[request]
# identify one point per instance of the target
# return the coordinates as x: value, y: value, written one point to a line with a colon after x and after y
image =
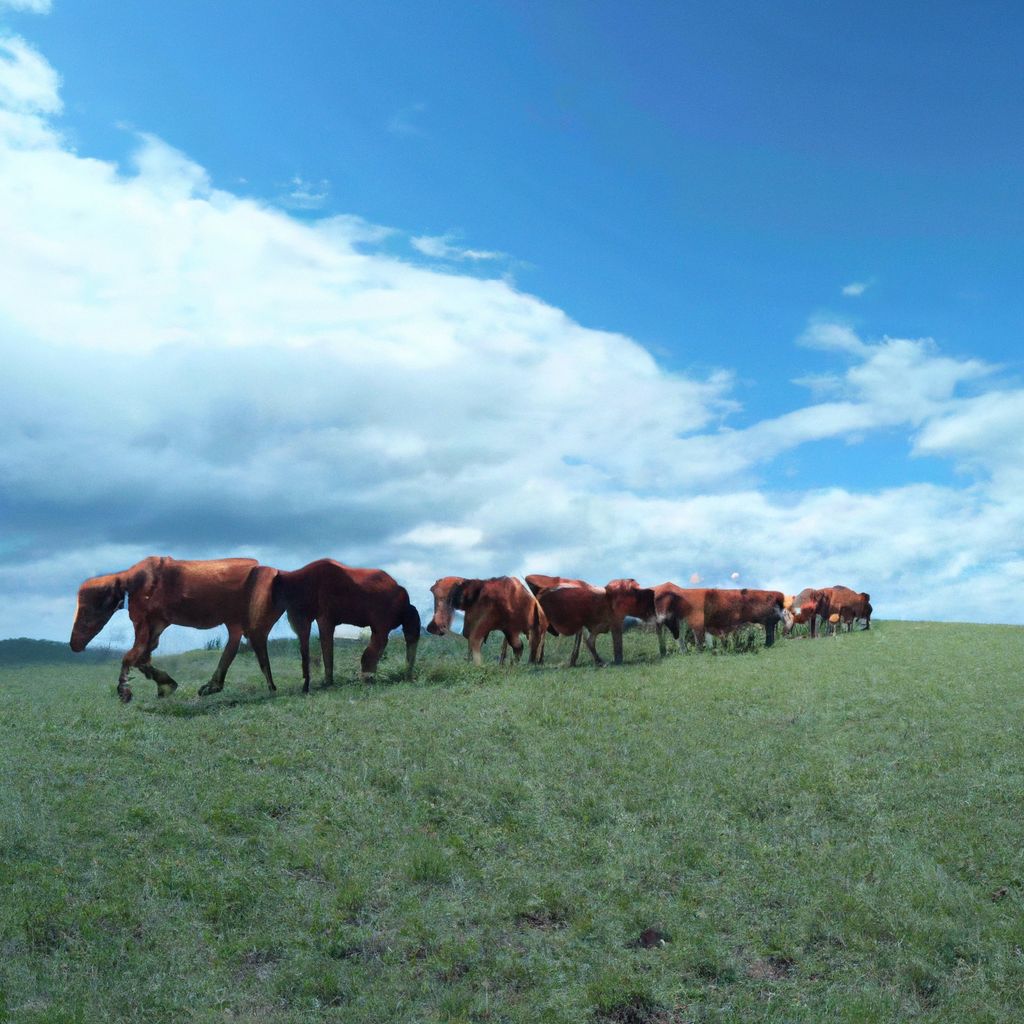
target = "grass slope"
x: 827, y: 830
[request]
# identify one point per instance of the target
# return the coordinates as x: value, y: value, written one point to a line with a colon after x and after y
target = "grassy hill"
x: 823, y: 831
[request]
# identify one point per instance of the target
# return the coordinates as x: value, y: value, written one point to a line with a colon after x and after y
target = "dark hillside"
x: 50, y: 652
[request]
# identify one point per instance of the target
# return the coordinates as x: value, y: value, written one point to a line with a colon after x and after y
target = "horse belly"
x: 206, y: 611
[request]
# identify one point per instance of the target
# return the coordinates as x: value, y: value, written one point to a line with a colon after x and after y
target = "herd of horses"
x: 249, y: 598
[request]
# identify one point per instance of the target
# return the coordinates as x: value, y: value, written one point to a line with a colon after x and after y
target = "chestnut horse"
x: 329, y: 593
x: 679, y: 607
x: 501, y: 603
x: 161, y: 592
x: 571, y: 608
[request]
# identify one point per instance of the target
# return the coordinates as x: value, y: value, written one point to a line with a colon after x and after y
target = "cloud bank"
x: 199, y: 374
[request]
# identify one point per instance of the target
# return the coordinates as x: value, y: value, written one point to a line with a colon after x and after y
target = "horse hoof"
x: 166, y: 690
x: 124, y: 695
x: 207, y: 688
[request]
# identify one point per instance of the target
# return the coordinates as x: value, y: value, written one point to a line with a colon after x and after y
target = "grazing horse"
x: 808, y: 606
x: 573, y: 608
x: 501, y: 603
x: 678, y: 608
x: 329, y: 593
x: 161, y: 592
x: 726, y: 610
x: 538, y: 582
x: 849, y: 605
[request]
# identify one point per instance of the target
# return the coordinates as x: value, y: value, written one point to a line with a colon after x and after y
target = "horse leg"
x: 411, y: 632
x: 537, y: 638
x: 301, y: 627
x: 138, y: 653
x: 375, y: 648
x: 592, y: 647
x: 504, y: 650
x: 325, y: 627
x: 258, y: 641
x: 165, y: 685
x: 575, y: 649
x: 216, y: 683
x: 475, y: 643
x: 678, y: 634
x: 512, y: 640
x: 617, y: 644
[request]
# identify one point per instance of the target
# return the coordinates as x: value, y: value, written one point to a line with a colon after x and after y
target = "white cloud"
x: 192, y: 372
x: 832, y: 336
x: 306, y: 195
x: 32, y: 6
x: 28, y: 84
x: 440, y: 247
x: 856, y: 288
x: 434, y: 535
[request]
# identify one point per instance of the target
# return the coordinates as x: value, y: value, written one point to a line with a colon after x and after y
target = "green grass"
x: 826, y: 831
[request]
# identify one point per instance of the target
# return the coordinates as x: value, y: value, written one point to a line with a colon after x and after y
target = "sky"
x: 729, y: 294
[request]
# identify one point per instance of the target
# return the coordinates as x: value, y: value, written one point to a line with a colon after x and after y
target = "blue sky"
x: 679, y: 204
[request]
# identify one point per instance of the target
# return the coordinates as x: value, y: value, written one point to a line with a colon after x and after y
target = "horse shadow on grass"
x: 193, y: 707
x: 182, y: 706
x: 445, y: 667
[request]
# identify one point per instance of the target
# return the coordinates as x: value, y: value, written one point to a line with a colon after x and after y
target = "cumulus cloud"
x: 192, y: 372
x: 856, y: 288
x: 28, y: 84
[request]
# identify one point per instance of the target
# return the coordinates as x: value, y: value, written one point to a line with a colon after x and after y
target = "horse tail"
x: 538, y: 633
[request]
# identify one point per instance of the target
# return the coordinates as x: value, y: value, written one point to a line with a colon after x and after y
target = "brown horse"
x: 329, y: 593
x: 807, y: 606
x: 161, y: 592
x: 679, y: 607
x: 501, y: 603
x: 572, y: 608
x: 725, y: 611
x: 538, y: 582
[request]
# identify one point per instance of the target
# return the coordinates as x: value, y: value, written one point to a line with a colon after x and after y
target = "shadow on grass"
x: 193, y: 707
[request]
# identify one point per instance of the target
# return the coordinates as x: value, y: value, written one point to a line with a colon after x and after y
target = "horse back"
x: 341, y: 593
x: 203, y: 594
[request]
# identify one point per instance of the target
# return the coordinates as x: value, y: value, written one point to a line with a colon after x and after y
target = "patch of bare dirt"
x: 771, y: 968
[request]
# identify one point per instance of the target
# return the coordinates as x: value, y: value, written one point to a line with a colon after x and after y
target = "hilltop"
x: 828, y: 830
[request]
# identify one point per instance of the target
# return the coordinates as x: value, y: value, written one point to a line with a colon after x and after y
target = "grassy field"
x: 823, y: 831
